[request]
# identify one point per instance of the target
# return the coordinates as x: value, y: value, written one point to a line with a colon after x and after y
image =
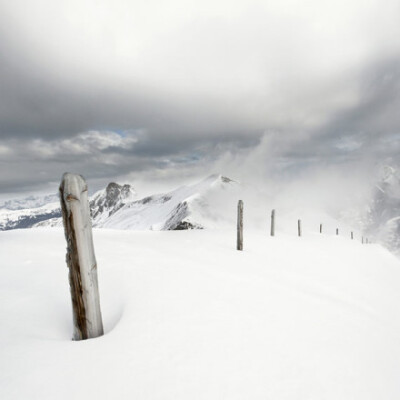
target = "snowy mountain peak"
x: 111, y: 199
x: 115, y: 192
x: 188, y: 207
x: 225, y: 179
x: 218, y: 179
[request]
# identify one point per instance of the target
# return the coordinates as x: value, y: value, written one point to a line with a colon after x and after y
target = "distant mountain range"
x: 119, y: 207
x: 198, y: 206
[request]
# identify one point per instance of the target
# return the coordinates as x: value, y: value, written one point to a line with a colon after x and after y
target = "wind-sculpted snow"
x: 186, y: 316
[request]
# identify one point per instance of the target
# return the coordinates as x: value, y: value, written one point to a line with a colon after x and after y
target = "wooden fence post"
x: 80, y: 258
x: 337, y: 231
x: 320, y: 228
x: 239, y: 245
x: 273, y: 223
x: 299, y: 227
x: 352, y: 236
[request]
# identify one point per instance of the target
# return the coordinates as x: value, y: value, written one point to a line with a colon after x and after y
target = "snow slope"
x: 117, y: 206
x: 28, y: 217
x: 188, y: 317
x: 195, y: 206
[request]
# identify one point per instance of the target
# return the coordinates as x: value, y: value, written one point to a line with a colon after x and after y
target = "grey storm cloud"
x: 110, y: 87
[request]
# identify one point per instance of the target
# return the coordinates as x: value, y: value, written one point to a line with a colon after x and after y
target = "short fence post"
x: 352, y: 236
x: 80, y: 258
x: 273, y: 223
x: 299, y: 227
x: 337, y: 231
x: 320, y: 228
x: 239, y: 245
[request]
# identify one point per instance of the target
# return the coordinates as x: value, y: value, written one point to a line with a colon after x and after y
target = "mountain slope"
x: 29, y: 217
x: 188, y: 207
x: 102, y: 204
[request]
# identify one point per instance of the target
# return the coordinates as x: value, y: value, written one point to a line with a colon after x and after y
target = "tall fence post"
x: 239, y: 245
x: 273, y: 223
x: 299, y: 227
x: 320, y: 228
x: 80, y: 258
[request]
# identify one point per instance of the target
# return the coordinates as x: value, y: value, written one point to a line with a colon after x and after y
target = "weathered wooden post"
x: 352, y: 236
x: 337, y: 231
x: 320, y: 228
x: 239, y: 245
x: 80, y: 258
x: 273, y: 223
x: 299, y: 227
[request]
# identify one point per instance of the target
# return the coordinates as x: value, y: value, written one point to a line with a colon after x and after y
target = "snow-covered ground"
x: 189, y: 317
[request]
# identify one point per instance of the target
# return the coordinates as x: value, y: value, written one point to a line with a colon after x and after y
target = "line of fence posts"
x: 239, y: 244
x: 239, y: 241
x: 80, y: 258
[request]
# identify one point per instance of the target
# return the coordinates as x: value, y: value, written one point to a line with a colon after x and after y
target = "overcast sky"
x: 174, y: 89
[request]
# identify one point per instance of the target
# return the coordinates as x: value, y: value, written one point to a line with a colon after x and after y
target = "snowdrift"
x: 188, y: 317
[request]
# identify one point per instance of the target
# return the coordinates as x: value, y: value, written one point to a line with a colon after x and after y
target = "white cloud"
x: 5, y: 150
x: 86, y: 143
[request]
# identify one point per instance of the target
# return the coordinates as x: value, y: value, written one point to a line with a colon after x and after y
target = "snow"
x: 202, y: 204
x: 9, y: 219
x: 187, y: 316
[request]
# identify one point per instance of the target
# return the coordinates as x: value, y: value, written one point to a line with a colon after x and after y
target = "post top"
x: 72, y: 186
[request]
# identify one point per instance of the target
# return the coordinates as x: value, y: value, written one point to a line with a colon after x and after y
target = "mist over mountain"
x: 29, y: 202
x: 383, y: 213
